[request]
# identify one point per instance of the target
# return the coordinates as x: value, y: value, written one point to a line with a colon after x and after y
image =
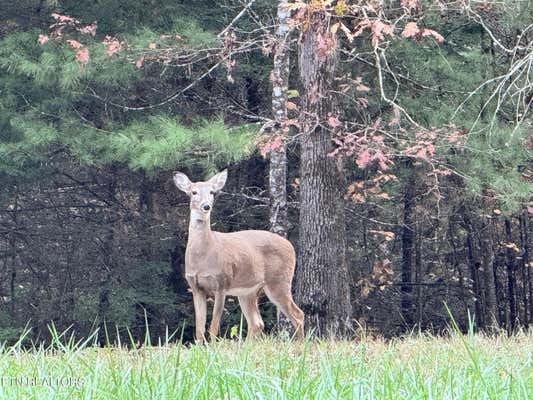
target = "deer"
x: 241, y: 264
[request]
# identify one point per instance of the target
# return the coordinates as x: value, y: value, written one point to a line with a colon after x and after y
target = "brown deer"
x: 235, y: 264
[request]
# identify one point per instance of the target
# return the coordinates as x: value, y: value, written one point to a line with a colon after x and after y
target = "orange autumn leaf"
x: 74, y: 44
x: 82, y: 56
x: 430, y: 32
x: 410, y: 30
x: 43, y: 39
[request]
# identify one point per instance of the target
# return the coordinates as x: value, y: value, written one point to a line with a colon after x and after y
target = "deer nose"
x: 206, y: 207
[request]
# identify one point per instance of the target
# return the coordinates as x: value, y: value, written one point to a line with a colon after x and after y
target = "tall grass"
x: 415, y: 367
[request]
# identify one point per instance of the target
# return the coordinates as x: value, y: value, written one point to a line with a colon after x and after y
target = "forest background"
x: 425, y: 108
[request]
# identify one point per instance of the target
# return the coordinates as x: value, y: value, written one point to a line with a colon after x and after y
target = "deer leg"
x: 214, y: 327
x: 200, y: 314
x: 251, y: 312
x: 281, y: 296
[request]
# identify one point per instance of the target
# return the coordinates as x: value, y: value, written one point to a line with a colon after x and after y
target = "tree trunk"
x: 13, y: 251
x: 322, y: 278
x: 408, y: 236
x: 278, y: 157
x: 418, y: 280
x: 503, y: 312
x: 511, y: 280
x: 526, y: 271
x: 487, y: 246
x: 457, y: 267
x: 474, y: 269
x: 109, y: 261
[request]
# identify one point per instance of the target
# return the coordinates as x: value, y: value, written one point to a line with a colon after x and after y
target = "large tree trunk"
x: 322, y: 278
x: 278, y: 157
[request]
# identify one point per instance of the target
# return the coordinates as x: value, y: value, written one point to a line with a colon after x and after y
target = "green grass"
x: 416, y: 367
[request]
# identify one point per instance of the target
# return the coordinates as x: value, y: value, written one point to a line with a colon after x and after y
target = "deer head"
x: 202, y: 194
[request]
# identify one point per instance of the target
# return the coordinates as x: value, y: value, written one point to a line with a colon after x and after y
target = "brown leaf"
x: 291, y: 106
x: 333, y: 121
x: 43, y: 39
x: 363, y: 158
x: 410, y: 30
x: 358, y: 198
x: 82, y: 56
x: 74, y: 44
x: 430, y: 32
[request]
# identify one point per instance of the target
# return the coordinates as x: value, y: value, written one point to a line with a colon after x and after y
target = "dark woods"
x: 93, y: 231
x: 108, y: 245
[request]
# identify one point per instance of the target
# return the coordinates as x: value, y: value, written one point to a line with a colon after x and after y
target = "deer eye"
x: 211, y: 192
x: 194, y: 192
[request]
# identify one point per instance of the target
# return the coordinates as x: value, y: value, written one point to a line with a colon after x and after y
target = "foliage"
x: 92, y: 127
x: 442, y: 86
x: 161, y: 142
x: 156, y: 141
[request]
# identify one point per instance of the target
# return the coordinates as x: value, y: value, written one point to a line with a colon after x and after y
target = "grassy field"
x: 416, y: 367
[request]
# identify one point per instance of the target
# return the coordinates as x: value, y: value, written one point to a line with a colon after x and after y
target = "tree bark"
x: 526, y: 271
x: 278, y: 157
x: 487, y: 245
x: 457, y: 267
x: 13, y: 248
x: 322, y: 278
x: 474, y: 269
x: 511, y: 280
x: 109, y: 260
x: 418, y: 280
x: 408, y: 236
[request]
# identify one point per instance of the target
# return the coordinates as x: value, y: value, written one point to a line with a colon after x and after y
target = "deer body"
x: 237, y: 264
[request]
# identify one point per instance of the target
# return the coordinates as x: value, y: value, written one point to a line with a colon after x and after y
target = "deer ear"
x: 182, y: 182
x: 219, y: 180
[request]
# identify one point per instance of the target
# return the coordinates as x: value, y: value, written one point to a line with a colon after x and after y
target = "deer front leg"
x: 218, y: 308
x: 200, y: 314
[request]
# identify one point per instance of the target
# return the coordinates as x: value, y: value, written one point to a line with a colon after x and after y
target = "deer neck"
x: 200, y: 233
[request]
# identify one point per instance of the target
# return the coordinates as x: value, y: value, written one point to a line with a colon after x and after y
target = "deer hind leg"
x: 218, y: 307
x: 281, y: 296
x: 200, y: 314
x: 250, y: 309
